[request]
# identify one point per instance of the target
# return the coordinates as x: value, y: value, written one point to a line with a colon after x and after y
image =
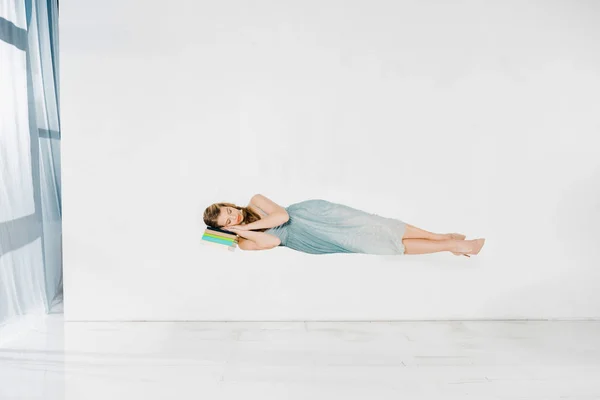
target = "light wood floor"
x: 303, y: 360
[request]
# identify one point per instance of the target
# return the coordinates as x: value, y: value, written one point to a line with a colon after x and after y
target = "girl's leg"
x: 425, y: 246
x: 412, y: 232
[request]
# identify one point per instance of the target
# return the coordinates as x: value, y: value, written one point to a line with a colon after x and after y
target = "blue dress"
x: 322, y: 227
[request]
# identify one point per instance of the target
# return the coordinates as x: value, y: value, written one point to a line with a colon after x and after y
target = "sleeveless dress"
x: 322, y: 227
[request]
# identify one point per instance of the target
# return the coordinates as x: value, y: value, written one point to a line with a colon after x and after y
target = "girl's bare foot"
x: 480, y: 243
x: 469, y: 247
x: 455, y: 236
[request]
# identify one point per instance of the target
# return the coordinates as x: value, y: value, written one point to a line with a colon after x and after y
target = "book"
x: 219, y: 237
x: 219, y: 245
x: 220, y: 232
x: 225, y: 241
x: 214, y: 228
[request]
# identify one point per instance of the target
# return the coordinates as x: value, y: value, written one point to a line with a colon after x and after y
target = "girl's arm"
x: 262, y: 239
x: 270, y: 221
x: 276, y: 214
x: 247, y: 244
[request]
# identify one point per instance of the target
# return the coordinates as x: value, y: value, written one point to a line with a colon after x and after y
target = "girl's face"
x: 230, y: 216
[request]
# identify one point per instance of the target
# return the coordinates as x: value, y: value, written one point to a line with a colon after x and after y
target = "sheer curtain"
x: 30, y: 202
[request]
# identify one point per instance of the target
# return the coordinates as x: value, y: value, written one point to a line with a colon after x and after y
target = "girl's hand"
x: 236, y: 228
x: 240, y: 227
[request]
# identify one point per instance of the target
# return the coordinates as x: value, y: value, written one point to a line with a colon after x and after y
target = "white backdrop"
x: 478, y: 117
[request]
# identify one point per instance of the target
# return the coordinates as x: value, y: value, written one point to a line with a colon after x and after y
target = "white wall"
x: 480, y: 118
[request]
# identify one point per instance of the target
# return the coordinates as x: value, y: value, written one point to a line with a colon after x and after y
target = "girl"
x: 322, y: 227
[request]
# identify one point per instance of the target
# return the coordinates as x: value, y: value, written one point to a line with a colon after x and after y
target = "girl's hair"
x: 211, y: 214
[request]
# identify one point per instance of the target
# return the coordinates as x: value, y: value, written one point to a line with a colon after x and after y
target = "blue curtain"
x: 30, y: 201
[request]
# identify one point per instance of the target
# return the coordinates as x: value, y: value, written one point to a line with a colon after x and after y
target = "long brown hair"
x: 212, y: 212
